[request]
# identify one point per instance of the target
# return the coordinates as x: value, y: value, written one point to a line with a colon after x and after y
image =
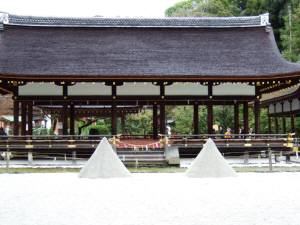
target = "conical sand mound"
x: 104, y: 163
x: 210, y: 163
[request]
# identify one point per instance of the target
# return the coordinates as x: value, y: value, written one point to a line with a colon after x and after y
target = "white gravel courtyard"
x: 65, y: 199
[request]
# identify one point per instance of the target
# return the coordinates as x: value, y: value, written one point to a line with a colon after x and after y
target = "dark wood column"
x: 114, y: 111
x: 162, y: 111
x: 269, y: 124
x: 65, y: 118
x: 114, y: 118
x: 256, y: 109
x: 210, y: 116
x: 30, y: 118
x: 154, y: 121
x: 123, y: 123
x: 23, y: 118
x: 276, y: 125
x: 292, y: 123
x: 16, y: 118
x: 196, y: 118
x: 246, y: 117
x: 283, y: 125
x: 236, y: 118
x: 72, y: 119
x: 162, y: 118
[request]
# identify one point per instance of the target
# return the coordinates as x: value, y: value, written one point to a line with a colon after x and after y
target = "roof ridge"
x: 214, y: 22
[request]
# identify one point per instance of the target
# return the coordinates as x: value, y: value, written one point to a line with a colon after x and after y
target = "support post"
x: 72, y: 119
x: 269, y: 124
x: 16, y: 118
x: 236, y: 118
x: 65, y: 119
x: 246, y: 117
x: 209, y: 117
x: 196, y: 118
x: 257, y: 116
x: 292, y: 123
x: 283, y: 125
x: 30, y: 117
x: 24, y: 118
x: 154, y: 121
x: 113, y: 118
x: 123, y: 123
x: 114, y: 110
x: 276, y: 125
x: 162, y: 119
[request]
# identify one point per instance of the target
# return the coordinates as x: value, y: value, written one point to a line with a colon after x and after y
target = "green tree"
x: 203, y: 8
x: 290, y: 34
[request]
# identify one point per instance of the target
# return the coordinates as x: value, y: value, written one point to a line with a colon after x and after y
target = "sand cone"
x: 210, y: 163
x: 104, y: 163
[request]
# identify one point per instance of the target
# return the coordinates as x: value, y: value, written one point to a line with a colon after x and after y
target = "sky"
x: 87, y: 8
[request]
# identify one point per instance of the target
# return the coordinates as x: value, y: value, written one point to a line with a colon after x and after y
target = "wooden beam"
x: 210, y: 117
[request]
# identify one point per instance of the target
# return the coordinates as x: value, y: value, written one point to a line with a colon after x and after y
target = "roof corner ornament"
x: 264, y: 19
x: 3, y: 19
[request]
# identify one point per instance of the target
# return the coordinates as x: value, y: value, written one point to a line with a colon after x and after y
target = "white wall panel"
x: 271, y: 108
x: 40, y: 89
x: 286, y: 106
x: 295, y: 104
x: 192, y: 89
x: 138, y: 88
x: 278, y: 107
x: 234, y: 89
x: 88, y: 88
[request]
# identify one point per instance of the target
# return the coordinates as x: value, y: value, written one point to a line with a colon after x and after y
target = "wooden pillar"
x: 269, y: 124
x: 256, y: 109
x: 123, y: 123
x: 72, y: 119
x: 113, y: 118
x: 154, y: 121
x: 24, y: 118
x: 210, y: 116
x: 196, y: 118
x: 283, y: 125
x: 162, y: 118
x: 236, y: 118
x: 16, y: 118
x: 246, y: 117
x: 30, y: 118
x: 292, y: 123
x: 162, y: 111
x: 114, y: 110
x: 276, y: 125
x: 65, y: 118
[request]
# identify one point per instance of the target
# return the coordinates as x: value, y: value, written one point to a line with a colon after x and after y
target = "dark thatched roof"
x: 37, y: 47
